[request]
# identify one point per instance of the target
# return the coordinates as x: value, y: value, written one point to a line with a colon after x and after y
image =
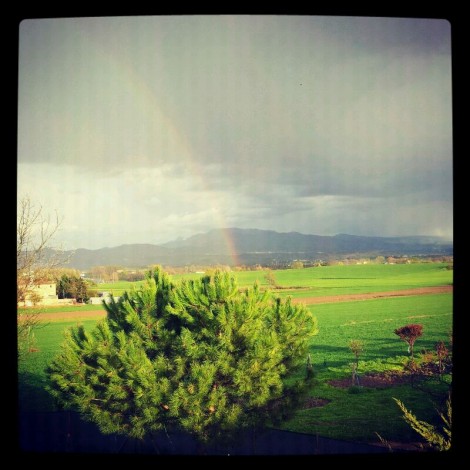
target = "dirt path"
x: 374, y: 295
x: 91, y: 314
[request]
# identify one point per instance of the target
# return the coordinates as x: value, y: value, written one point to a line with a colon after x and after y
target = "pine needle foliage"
x: 200, y: 356
x: 436, y: 439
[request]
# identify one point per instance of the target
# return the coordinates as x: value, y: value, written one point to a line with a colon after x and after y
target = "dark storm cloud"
x: 268, y: 120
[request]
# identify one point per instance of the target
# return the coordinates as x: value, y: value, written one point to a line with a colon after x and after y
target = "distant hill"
x: 251, y: 246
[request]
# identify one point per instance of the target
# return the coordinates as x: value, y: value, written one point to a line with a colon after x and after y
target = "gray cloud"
x: 296, y: 123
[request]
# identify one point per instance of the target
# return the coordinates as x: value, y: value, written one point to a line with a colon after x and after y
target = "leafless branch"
x: 34, y: 255
x: 35, y: 260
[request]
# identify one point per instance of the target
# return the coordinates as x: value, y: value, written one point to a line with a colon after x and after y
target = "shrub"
x: 409, y: 334
x: 198, y: 356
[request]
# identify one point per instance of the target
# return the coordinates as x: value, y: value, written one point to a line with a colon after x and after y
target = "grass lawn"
x: 373, y: 321
x: 359, y: 416
x: 31, y: 370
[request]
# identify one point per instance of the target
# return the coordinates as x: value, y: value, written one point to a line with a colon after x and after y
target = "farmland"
x: 330, y: 280
x: 346, y: 413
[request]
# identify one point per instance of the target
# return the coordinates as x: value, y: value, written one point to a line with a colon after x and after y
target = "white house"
x: 44, y: 294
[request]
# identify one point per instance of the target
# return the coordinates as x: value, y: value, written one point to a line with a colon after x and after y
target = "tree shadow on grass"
x: 383, y: 348
x: 32, y: 393
x: 329, y: 356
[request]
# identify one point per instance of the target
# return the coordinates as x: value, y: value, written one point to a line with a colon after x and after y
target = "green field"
x: 358, y: 417
x: 351, y: 416
x: 63, y: 308
x: 331, y: 280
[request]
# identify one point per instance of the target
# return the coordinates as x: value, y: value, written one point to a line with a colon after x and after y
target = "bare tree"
x: 357, y: 347
x: 271, y: 279
x: 34, y: 258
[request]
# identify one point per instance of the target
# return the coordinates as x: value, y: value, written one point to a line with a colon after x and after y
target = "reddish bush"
x: 409, y: 334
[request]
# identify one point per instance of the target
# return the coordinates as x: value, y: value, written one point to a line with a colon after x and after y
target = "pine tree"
x: 438, y: 439
x: 200, y: 356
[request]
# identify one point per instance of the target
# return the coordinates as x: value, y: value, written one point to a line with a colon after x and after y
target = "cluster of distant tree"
x: 73, y: 287
x: 112, y: 273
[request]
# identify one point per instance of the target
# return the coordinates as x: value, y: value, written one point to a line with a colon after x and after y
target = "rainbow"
x: 148, y: 100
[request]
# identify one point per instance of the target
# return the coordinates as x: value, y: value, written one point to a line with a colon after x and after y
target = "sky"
x: 146, y: 129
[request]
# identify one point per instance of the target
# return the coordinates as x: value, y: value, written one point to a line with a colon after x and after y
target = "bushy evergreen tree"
x: 72, y: 287
x: 199, y: 356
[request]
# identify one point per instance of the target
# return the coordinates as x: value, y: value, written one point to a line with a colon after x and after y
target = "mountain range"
x: 234, y: 246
